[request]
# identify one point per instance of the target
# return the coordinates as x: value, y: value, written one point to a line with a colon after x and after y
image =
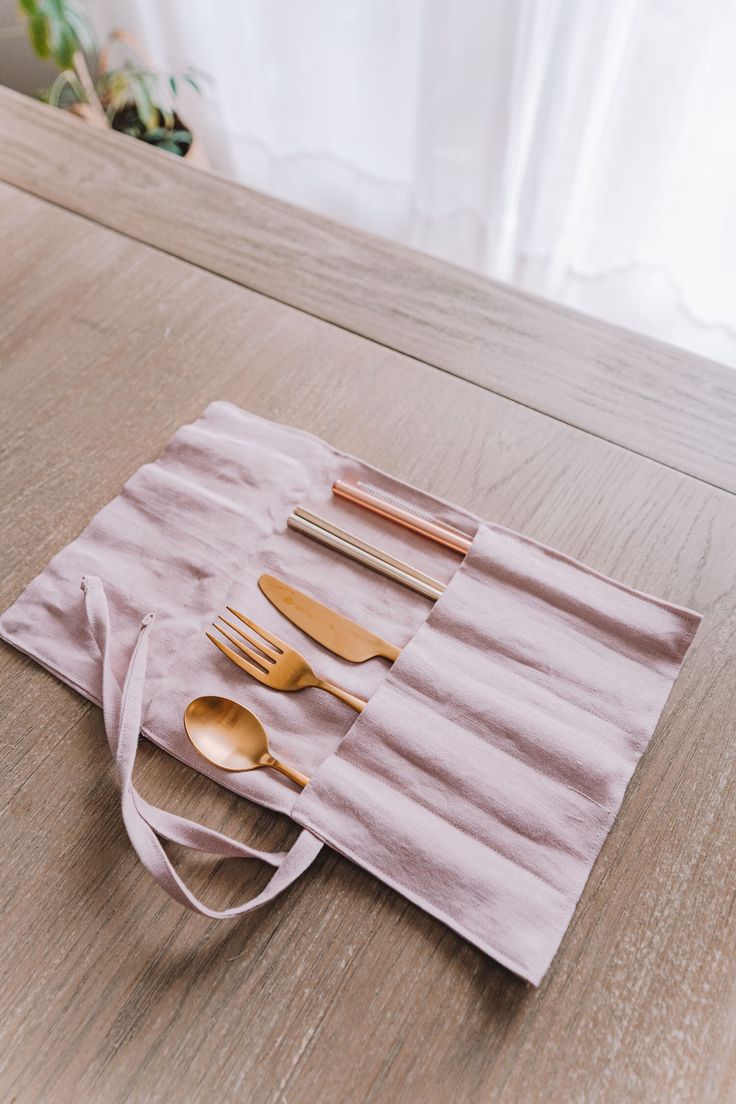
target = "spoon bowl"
x: 232, y: 738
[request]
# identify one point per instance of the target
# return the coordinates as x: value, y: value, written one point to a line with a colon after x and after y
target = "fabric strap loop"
x: 144, y: 823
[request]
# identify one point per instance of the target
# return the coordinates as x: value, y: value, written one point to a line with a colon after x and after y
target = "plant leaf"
x: 65, y: 48
x: 82, y: 31
x: 39, y: 34
x: 56, y: 90
x: 143, y: 103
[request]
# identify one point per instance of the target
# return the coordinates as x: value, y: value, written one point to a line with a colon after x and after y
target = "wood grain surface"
x: 654, y: 399
x: 341, y: 992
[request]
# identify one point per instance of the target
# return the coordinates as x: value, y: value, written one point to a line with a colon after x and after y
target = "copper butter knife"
x: 329, y: 628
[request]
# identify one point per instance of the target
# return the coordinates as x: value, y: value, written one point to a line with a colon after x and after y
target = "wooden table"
x: 134, y: 291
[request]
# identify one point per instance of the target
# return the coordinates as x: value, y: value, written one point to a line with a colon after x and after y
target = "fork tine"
x: 253, y: 656
x: 279, y: 644
x: 268, y: 651
x: 244, y: 665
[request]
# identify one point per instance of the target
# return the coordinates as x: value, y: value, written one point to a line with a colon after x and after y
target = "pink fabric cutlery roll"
x: 492, y: 758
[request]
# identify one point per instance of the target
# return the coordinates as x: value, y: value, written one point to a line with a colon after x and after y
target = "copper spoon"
x: 231, y: 737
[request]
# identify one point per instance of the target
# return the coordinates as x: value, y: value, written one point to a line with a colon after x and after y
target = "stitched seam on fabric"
x: 503, y: 957
x: 580, y: 623
x: 634, y: 735
x: 641, y: 737
x: 458, y: 827
x: 660, y: 603
x: 407, y: 691
x: 490, y: 812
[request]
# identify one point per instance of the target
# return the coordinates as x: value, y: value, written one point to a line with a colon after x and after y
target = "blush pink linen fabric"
x: 490, y: 764
x: 493, y: 756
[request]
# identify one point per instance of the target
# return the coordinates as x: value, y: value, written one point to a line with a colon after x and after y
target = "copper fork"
x: 273, y: 662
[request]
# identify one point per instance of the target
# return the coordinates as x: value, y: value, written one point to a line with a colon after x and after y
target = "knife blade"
x: 328, y: 627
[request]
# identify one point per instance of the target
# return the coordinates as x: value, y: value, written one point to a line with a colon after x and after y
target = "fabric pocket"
x: 485, y: 772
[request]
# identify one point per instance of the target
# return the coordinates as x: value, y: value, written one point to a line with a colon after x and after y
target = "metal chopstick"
x: 326, y: 533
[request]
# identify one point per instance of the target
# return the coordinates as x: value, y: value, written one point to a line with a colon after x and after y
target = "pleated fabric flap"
x: 488, y: 767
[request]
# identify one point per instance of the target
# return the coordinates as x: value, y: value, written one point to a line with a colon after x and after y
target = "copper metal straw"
x: 394, y: 510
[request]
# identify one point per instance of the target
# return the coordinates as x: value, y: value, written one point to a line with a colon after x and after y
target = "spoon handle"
x: 294, y: 775
x: 356, y: 703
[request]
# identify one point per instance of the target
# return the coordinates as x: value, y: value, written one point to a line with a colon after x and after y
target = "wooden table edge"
x: 661, y: 402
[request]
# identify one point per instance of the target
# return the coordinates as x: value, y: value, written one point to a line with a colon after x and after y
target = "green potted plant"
x: 128, y: 96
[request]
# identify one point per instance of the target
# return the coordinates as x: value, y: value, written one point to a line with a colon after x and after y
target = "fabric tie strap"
x: 144, y: 822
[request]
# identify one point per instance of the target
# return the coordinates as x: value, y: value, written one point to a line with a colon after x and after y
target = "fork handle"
x: 356, y: 703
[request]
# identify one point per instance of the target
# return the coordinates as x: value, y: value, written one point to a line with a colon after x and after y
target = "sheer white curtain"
x: 585, y: 149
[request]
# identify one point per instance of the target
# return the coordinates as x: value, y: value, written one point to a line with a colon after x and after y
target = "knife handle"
x: 388, y: 651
